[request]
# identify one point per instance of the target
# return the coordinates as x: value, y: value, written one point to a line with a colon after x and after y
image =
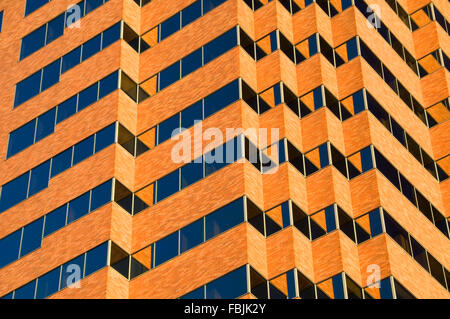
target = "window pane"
x: 72, y: 272
x: 101, y: 195
x: 191, y: 13
x: 167, y: 128
x: 105, y: 137
x: 61, y: 162
x: 33, y: 5
x: 55, y: 220
x: 191, y: 173
x: 166, y: 248
x: 192, y: 114
x: 71, y: 59
x: 198, y: 293
x: 170, y: 26
x: 48, y: 284
x: 9, y: 246
x: 111, y: 35
x: 21, y: 138
x: 229, y: 286
x: 109, y: 84
x: 39, y: 178
x: 91, y: 5
x: 92, y: 47
x: 191, y: 235
x: 26, y: 292
x: 45, y: 124
x: 32, y: 237
x: 191, y: 62
x: 96, y: 259
x: 14, y: 192
x: 33, y: 42
x: 28, y: 88
x: 208, y: 5
x: 78, y: 208
x: 66, y: 109
x: 55, y: 28
x: 87, y: 96
x: 168, y: 185
x: 83, y: 150
x: 169, y: 75
x: 220, y: 45
x: 221, y: 98
x: 50, y: 75
x: 224, y: 218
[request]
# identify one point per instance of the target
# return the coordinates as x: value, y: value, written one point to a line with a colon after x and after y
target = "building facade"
x: 224, y: 149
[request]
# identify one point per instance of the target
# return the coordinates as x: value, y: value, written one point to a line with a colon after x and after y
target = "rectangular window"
x: 87, y: 97
x: 191, y: 173
x: 224, y: 218
x: 75, y: 265
x: 191, y: 235
x: 83, y: 150
x: 50, y: 75
x: 221, y: 98
x: 96, y: 259
x: 191, y: 13
x: 108, y: 84
x: 169, y: 75
x: 192, y: 114
x: 229, y: 286
x: 91, y: 5
x: 105, y: 137
x: 71, y: 59
x: 66, y: 109
x: 166, y: 248
x: 61, y: 162
x: 78, y: 208
x: 45, y: 124
x: 168, y: 127
x: 92, y: 47
x: 26, y: 292
x: 101, y: 195
x: 14, y: 192
x: 21, y: 138
x: 220, y: 45
x: 192, y: 62
x: 48, y: 284
x: 32, y: 237
x: 170, y: 26
x: 33, y: 5
x: 39, y: 178
x: 168, y: 185
x: 9, y: 246
x: 55, y: 220
x: 55, y: 28
x: 28, y: 88
x: 33, y: 42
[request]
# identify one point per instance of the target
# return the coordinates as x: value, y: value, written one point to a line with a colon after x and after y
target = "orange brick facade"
x: 270, y: 256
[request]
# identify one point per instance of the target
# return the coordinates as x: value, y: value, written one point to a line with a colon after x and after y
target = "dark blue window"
x: 39, y: 178
x: 166, y: 248
x: 108, y: 84
x: 71, y: 16
x: 375, y: 222
x: 33, y: 5
x: 338, y: 287
x: 91, y: 5
x: 45, y: 124
x: 55, y: 220
x: 10, y: 295
x: 198, y: 293
x: 166, y: 128
x: 366, y: 159
x: 83, y: 150
x: 386, y: 289
x: 105, y: 137
x: 312, y: 44
x: 87, y: 96
x: 78, y: 208
x: 191, y: 235
x: 33, y: 42
x: 9, y: 246
x: 229, y: 286
x: 330, y: 218
x: 101, y: 195
x: 32, y: 237
x: 224, y: 218
x: 55, y: 28
x: 170, y: 26
x: 208, y: 5
x: 191, y: 173
x: 26, y: 292
x: 111, y: 35
x: 223, y: 97
x: 358, y: 102
x: 14, y: 192
x: 21, y: 138
x: 168, y: 185
x: 318, y: 98
x: 1, y: 20
x: 169, y: 75
x: 66, y: 109
x: 323, y: 154
x: 191, y: 13
x: 346, y: 4
x: 92, y: 47
x: 71, y: 59
x: 191, y: 62
x: 220, y: 45
x: 96, y: 259
x: 71, y: 270
x: 192, y: 114
x: 50, y: 75
x: 352, y: 49
x: 28, y: 88
x: 61, y: 162
x: 48, y: 284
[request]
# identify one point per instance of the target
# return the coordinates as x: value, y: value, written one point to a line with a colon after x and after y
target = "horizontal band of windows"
x: 37, y: 179
x: 414, y: 249
x: 67, y: 275
x: 29, y: 238
x: 45, y: 124
x: 55, y: 28
x: 51, y: 74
